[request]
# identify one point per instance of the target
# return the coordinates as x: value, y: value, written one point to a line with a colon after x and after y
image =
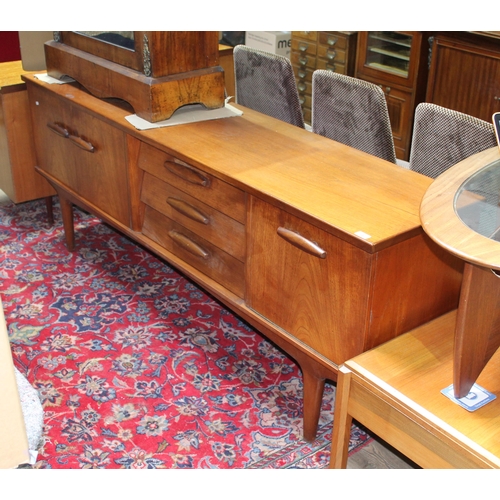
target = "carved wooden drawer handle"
x: 188, y: 210
x: 186, y: 172
x: 188, y: 244
x: 58, y: 129
x: 302, y: 243
x: 81, y: 143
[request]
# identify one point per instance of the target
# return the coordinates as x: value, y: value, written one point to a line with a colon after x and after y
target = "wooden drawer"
x: 303, y: 60
x: 193, y: 181
x: 332, y: 40
x: 304, y: 86
x: 331, y: 54
x: 306, y: 35
x: 305, y: 100
x: 332, y: 66
x: 212, y: 225
x: 304, y: 47
x: 83, y: 152
x: 303, y: 74
x: 196, y: 251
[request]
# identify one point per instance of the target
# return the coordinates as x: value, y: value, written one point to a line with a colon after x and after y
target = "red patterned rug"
x: 139, y: 368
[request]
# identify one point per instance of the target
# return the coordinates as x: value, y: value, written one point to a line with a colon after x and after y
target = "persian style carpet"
x: 136, y: 366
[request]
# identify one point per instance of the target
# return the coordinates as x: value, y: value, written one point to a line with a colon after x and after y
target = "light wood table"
x: 395, y: 391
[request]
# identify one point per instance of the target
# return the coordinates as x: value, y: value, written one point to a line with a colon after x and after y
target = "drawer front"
x: 304, y: 47
x: 82, y: 152
x: 303, y: 60
x: 303, y: 74
x: 193, y: 181
x: 321, y: 299
x: 332, y: 55
x: 310, y: 36
x: 196, y: 251
x: 212, y: 225
x: 332, y: 66
x: 333, y: 40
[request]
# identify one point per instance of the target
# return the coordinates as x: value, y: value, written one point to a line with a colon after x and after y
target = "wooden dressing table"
x: 315, y: 244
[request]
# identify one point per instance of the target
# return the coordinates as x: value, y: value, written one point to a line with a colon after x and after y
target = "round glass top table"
x: 461, y: 212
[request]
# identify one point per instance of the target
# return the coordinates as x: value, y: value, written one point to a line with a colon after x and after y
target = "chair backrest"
x: 265, y: 82
x: 443, y: 137
x: 353, y: 112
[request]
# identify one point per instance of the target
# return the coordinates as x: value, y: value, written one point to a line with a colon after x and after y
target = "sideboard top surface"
x: 356, y: 196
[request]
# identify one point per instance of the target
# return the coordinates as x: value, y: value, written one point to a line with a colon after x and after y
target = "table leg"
x: 342, y: 421
x: 477, y: 333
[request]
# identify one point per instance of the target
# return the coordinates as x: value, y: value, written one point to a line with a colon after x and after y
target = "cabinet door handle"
x: 188, y: 210
x: 188, y: 244
x: 81, y: 143
x: 58, y: 129
x: 302, y: 243
x: 186, y: 172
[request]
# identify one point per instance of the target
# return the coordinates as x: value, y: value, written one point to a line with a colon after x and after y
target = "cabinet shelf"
x: 392, y: 38
x: 388, y: 69
x: 390, y: 53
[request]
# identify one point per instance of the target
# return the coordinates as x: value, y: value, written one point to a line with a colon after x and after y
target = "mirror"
x: 123, y: 39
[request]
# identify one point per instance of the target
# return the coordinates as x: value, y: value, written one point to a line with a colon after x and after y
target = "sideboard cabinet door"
x: 335, y: 297
x: 82, y: 152
x: 320, y: 299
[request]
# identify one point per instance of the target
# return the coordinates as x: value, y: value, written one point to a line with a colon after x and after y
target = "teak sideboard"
x: 315, y: 244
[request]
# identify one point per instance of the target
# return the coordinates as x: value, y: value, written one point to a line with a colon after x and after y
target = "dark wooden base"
x: 153, y: 99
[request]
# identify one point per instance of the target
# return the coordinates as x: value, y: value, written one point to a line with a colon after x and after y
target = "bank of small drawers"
x: 194, y: 215
x: 311, y: 50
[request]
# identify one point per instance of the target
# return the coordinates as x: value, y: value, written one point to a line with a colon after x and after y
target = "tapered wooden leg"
x: 477, y: 334
x: 67, y: 217
x: 342, y: 421
x: 50, y: 211
x: 313, y: 398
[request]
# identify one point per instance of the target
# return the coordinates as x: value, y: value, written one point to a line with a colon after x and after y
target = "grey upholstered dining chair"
x: 353, y: 112
x: 265, y: 82
x: 443, y: 137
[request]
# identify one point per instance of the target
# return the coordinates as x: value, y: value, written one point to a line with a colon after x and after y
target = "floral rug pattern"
x: 136, y: 366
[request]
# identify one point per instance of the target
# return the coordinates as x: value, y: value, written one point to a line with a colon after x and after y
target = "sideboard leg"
x: 67, y: 217
x: 313, y: 398
x: 50, y: 210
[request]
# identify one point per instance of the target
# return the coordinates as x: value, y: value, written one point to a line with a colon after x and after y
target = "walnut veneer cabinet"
x: 157, y: 72
x: 315, y: 244
x: 311, y: 50
x: 397, y: 61
x: 465, y: 72
x: 18, y: 178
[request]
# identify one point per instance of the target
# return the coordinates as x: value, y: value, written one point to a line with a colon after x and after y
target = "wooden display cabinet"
x: 156, y: 72
x: 397, y: 62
